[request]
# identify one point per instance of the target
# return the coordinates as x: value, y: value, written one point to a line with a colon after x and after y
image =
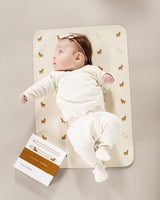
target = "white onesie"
x: 81, y: 102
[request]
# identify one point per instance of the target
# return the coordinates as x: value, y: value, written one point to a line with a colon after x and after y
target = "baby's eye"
x: 60, y: 51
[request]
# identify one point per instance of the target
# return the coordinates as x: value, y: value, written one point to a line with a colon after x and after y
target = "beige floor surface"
x: 19, y: 21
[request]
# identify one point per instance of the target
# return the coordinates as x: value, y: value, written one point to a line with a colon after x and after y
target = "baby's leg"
x: 111, y: 126
x: 81, y: 135
x: 107, y: 126
x: 82, y: 141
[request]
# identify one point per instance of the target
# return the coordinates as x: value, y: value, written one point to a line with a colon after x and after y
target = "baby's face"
x: 64, y: 57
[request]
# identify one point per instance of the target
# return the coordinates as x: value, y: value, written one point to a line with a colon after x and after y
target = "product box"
x: 40, y: 159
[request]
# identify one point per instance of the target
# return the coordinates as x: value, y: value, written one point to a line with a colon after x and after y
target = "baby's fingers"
x: 22, y: 98
x: 107, y: 78
x: 110, y: 79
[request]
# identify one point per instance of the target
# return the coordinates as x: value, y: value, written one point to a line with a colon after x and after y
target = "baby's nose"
x: 54, y: 57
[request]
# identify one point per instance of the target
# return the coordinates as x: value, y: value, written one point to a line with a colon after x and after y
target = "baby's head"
x: 72, y: 52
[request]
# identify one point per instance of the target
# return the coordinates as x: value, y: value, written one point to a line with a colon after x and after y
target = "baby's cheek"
x: 63, y: 61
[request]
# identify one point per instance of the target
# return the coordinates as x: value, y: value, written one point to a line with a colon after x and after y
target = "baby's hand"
x: 107, y: 78
x: 22, y: 98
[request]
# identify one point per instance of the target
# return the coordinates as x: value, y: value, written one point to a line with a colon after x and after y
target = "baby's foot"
x: 100, y: 173
x: 102, y: 154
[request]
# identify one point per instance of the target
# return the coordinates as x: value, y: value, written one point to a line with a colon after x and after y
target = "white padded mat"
x: 110, y: 54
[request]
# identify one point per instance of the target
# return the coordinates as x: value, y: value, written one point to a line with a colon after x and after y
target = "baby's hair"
x: 83, y: 43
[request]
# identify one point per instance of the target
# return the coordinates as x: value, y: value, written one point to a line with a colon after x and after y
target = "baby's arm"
x: 22, y: 98
x: 38, y: 90
x: 107, y: 78
x: 104, y: 79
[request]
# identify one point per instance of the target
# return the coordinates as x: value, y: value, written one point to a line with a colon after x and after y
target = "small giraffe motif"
x: 124, y: 118
x: 43, y: 121
x: 44, y: 137
x: 123, y: 101
x: 121, y: 84
x: 62, y: 120
x: 40, y: 38
x: 121, y: 67
x: 64, y: 137
x: 119, y: 51
x: 99, y: 52
x: 43, y: 104
x: 98, y: 35
x: 124, y: 135
x: 101, y: 68
x: 126, y: 152
x: 40, y: 54
x: 118, y: 34
x: 41, y: 71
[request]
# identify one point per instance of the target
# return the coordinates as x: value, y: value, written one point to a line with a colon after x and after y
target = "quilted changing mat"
x: 109, y: 54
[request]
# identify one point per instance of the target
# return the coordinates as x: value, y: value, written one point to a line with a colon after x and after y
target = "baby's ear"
x: 78, y: 56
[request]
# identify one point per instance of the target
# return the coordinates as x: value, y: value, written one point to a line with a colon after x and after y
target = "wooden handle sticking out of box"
x: 46, y: 148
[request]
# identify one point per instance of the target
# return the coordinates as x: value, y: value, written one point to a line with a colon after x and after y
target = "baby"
x: 92, y: 130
